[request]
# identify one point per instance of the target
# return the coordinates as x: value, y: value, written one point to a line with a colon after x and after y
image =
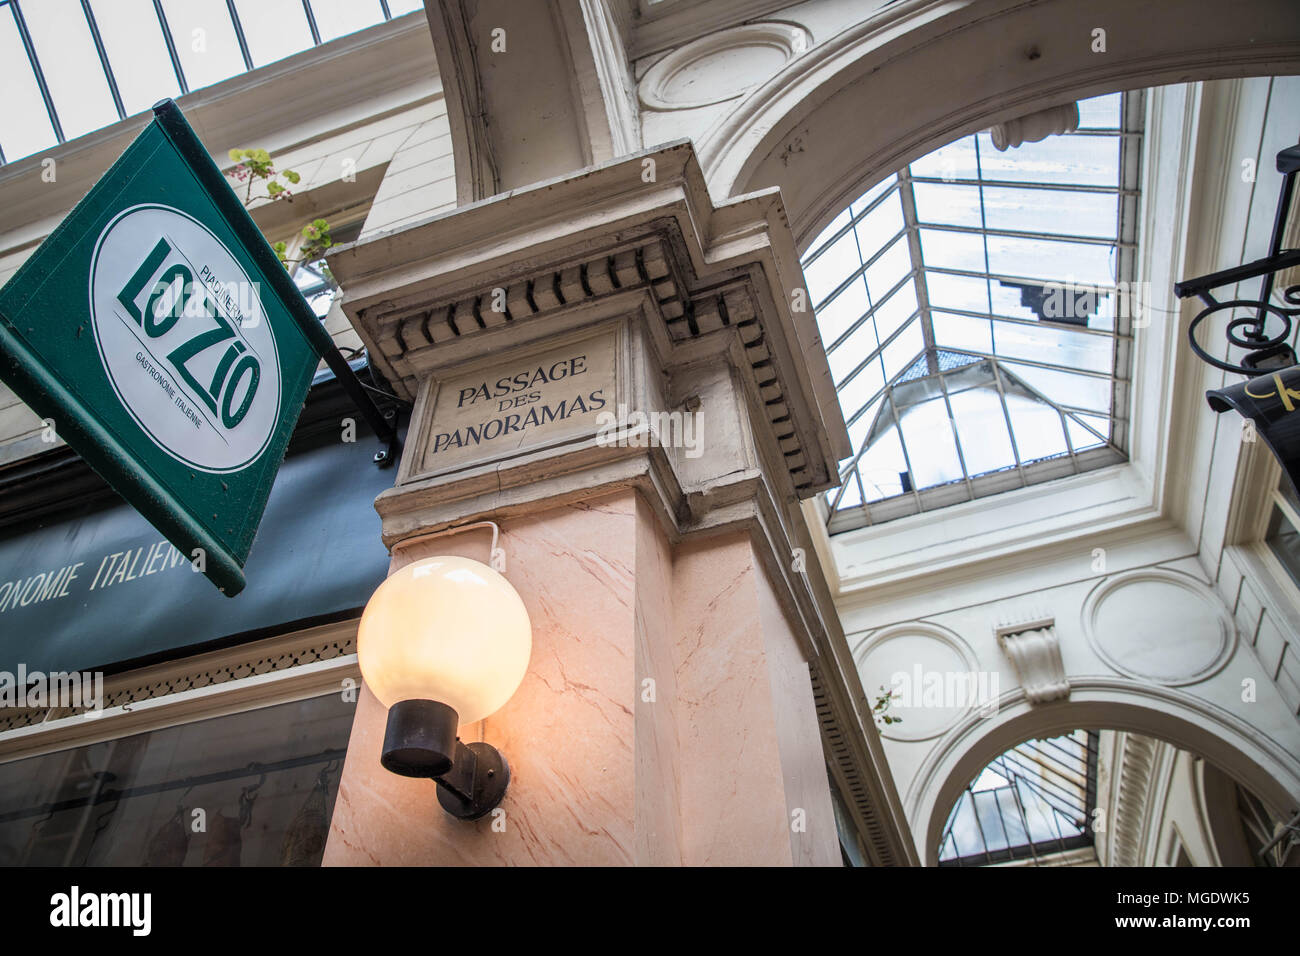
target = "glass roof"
x: 969, y: 309
x: 1035, y: 799
x: 72, y: 66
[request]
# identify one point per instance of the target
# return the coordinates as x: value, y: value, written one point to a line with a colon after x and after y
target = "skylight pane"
x: 862, y: 387
x: 989, y: 779
x: 1011, y: 819
x: 930, y: 444
x: 1083, y: 438
x: 887, y: 271
x: 24, y: 125
x: 832, y: 267
x: 1049, y: 210
x: 954, y: 161
x: 1065, y: 388
x: 1037, y: 428
x: 957, y: 292
x: 1043, y: 823
x: 953, y: 250
x: 982, y: 429
x: 1101, y: 112
x: 835, y: 317
x: 1054, y: 346
x: 990, y: 820
x: 1043, y: 793
x: 850, y: 353
x: 1050, y: 260
x: 1079, y: 159
x: 948, y: 204
x: 882, y: 468
x: 73, y: 74
x: 852, y: 492
x: 964, y: 830
x: 274, y: 29
x: 861, y: 422
x: 136, y: 51
x: 336, y: 18
x: 901, y: 352
x: 826, y: 235
x: 962, y: 332
x: 895, y: 310
x: 870, y: 195
x: 880, y: 225
x: 205, y: 40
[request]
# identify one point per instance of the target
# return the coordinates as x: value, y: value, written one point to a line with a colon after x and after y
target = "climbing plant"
x: 255, y: 173
x: 880, y: 709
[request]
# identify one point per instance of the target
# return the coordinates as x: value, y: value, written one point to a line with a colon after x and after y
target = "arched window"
x: 1035, y: 800
x: 977, y: 316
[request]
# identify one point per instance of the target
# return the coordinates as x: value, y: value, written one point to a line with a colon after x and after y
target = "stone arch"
x: 921, y: 73
x: 1100, y: 703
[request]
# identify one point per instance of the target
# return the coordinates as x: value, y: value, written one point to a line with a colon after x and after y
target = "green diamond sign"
x: 160, y: 334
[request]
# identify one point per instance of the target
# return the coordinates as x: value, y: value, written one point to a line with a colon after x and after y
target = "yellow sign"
x: 1284, y: 393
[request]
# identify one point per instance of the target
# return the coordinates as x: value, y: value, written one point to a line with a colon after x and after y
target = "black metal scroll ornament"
x: 1271, y: 397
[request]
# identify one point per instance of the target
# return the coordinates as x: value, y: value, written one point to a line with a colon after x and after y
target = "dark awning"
x: 97, y: 588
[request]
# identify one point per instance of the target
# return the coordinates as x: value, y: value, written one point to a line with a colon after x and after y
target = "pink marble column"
x: 666, y: 717
x: 753, y: 779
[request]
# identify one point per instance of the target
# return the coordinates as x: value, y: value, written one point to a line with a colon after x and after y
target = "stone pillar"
x: 619, y: 375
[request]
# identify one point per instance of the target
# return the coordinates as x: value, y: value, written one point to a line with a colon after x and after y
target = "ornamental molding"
x: 1034, y: 648
x: 1182, y: 663
x: 1036, y: 126
x: 1140, y: 766
x: 274, y: 670
x: 638, y: 236
x: 704, y: 71
x: 962, y: 657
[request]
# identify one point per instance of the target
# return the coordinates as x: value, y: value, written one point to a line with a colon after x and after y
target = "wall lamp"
x: 445, y: 641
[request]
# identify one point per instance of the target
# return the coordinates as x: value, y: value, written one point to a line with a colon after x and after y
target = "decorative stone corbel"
x: 1035, y: 126
x: 1035, y: 652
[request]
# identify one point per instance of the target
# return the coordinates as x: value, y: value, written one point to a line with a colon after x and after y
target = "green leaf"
x: 293, y: 177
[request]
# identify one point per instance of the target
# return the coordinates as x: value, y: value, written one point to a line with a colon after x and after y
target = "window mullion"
x: 37, y: 72
x: 170, y: 42
x: 908, y: 201
x: 89, y: 14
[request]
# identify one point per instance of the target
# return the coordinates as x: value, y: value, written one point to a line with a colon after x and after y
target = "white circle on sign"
x: 184, y: 339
